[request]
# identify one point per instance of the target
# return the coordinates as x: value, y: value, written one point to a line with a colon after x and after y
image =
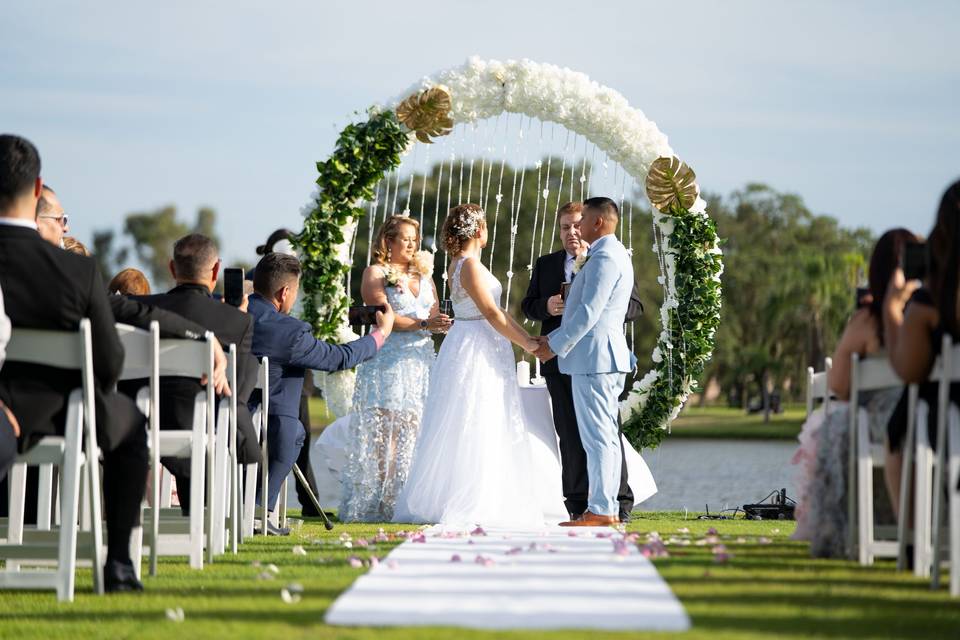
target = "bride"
x: 473, y: 463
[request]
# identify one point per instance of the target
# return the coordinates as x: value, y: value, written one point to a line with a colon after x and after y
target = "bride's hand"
x: 439, y: 323
x: 531, y: 345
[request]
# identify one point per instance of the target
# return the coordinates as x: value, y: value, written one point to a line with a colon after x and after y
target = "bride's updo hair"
x: 387, y: 233
x: 462, y: 225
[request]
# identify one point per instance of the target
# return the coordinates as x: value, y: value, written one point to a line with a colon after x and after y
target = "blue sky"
x: 135, y: 105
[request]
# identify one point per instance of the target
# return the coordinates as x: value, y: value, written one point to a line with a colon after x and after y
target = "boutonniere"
x: 579, y: 261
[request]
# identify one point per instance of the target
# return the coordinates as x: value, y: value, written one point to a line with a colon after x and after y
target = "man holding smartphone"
x: 292, y: 349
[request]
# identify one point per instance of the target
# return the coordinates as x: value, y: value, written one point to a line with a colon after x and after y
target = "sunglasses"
x: 62, y: 219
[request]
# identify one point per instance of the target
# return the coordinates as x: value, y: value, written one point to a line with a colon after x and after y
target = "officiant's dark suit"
x: 549, y: 272
x: 194, y: 301
x: 45, y: 287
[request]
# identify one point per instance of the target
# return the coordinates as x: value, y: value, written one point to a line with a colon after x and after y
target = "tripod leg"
x: 316, y: 503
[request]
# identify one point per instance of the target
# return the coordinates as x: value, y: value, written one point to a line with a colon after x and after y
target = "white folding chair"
x: 222, y: 504
x: 947, y: 469
x: 918, y: 454
x: 260, y: 417
x: 192, y: 359
x: 142, y: 361
x: 817, y: 387
x: 63, y: 350
x: 866, y: 374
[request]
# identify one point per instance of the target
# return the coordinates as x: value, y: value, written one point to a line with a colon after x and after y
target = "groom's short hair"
x: 605, y: 207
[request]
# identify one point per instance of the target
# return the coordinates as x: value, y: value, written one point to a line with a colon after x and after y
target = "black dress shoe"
x: 624, y: 517
x: 119, y: 576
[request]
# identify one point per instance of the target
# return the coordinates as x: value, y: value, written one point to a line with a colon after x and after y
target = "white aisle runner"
x: 514, y: 580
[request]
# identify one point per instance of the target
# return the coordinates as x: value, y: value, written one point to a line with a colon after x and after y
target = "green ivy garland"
x: 691, y: 326
x: 365, y: 151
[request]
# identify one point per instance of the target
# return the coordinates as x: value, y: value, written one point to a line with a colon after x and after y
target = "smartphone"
x: 233, y: 287
x: 565, y: 290
x: 364, y: 315
x: 915, y: 260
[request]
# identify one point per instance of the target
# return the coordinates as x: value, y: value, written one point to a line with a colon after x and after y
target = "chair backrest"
x: 138, y: 348
x: 188, y: 358
x: 872, y: 373
x: 817, y: 386
x: 60, y: 349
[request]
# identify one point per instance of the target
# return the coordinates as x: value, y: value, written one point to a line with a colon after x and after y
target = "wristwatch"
x: 423, y: 324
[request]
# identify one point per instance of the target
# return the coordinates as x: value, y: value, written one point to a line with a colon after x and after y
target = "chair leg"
x: 69, y: 502
x: 18, y: 499
x: 96, y: 514
x: 953, y: 448
x: 44, y: 497
x: 249, y: 498
x: 198, y: 458
x: 136, y: 548
x: 864, y: 496
x: 282, y: 506
x: 907, y: 463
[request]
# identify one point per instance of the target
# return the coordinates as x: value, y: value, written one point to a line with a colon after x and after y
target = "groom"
x: 593, y: 351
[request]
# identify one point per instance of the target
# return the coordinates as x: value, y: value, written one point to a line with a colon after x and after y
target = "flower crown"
x: 469, y: 224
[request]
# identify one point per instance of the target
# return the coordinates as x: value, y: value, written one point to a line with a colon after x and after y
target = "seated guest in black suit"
x: 291, y: 347
x: 543, y: 302
x: 48, y: 288
x: 195, y: 267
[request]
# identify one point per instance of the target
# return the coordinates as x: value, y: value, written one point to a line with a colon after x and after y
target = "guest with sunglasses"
x: 52, y: 221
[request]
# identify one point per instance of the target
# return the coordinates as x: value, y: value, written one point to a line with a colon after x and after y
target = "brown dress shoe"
x: 589, y: 519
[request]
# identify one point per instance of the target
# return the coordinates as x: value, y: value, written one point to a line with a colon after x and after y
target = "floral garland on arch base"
x: 686, y: 237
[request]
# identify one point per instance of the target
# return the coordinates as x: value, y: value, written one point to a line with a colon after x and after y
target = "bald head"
x: 51, y: 219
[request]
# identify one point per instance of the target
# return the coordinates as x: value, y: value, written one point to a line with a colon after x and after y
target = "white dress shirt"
x: 568, y: 268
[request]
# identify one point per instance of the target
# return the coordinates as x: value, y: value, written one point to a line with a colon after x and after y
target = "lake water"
x: 690, y: 474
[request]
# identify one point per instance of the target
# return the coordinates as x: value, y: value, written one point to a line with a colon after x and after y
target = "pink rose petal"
x: 455, y: 558
x: 355, y: 562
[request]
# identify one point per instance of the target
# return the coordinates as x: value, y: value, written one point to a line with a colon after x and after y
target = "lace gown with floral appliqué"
x: 387, y: 405
x: 473, y: 462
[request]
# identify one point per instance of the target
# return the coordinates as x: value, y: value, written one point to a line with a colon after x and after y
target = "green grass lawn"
x: 768, y: 588
x: 736, y: 424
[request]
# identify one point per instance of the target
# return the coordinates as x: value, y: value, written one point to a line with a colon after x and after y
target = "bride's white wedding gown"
x: 475, y: 462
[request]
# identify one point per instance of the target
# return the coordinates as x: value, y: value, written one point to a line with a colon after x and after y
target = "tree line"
x: 788, y: 286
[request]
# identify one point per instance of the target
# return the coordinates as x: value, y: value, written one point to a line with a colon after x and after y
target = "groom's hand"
x: 544, y: 353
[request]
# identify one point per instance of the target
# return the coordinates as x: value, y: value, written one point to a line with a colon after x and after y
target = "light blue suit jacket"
x: 590, y: 339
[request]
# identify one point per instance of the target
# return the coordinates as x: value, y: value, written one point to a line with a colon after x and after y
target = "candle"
x: 537, y: 360
x: 523, y: 373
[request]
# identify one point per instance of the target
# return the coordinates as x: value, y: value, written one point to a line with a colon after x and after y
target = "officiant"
x: 544, y: 303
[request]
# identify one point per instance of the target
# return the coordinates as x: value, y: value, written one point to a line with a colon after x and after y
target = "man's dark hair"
x: 607, y: 207
x: 43, y: 205
x: 19, y: 168
x: 274, y: 271
x: 192, y: 256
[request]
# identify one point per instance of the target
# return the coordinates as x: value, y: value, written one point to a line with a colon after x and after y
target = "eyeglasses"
x: 62, y: 219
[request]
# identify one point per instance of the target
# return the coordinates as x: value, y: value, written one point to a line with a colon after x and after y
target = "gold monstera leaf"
x: 670, y: 181
x: 427, y: 113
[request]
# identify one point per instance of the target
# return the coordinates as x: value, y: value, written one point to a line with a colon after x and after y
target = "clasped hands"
x: 539, y: 347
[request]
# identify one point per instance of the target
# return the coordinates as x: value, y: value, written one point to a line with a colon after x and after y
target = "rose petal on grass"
x: 683, y: 530
x: 289, y: 598
x: 764, y: 540
x: 298, y: 550
x: 272, y: 568
x: 175, y: 615
x: 355, y: 562
x: 484, y: 561
x: 418, y: 538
